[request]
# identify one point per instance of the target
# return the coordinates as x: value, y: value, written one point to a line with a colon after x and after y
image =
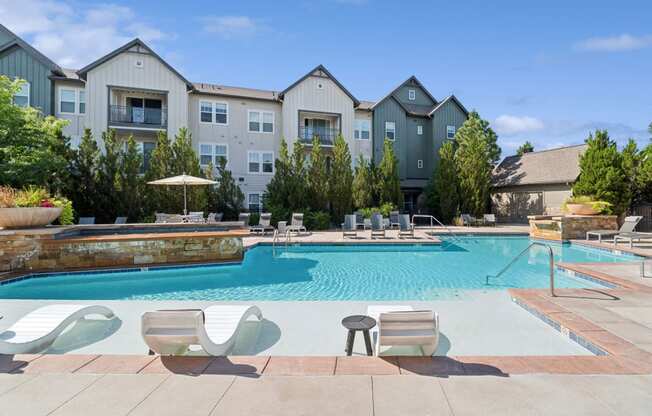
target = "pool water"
x: 330, y: 272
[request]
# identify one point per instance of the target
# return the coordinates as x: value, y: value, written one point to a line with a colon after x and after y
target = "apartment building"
x: 135, y: 92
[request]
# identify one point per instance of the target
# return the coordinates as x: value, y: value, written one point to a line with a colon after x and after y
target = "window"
x: 419, y: 129
x: 261, y: 162
x: 21, y: 99
x: 390, y: 130
x: 362, y: 130
x: 261, y: 121
x: 420, y: 164
x: 254, y: 202
x: 67, y: 102
x: 412, y: 95
x: 450, y: 132
x: 213, y: 112
x: 82, y: 102
x: 212, y: 153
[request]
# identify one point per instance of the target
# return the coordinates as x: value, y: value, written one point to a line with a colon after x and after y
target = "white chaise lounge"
x: 172, y: 332
x: 37, y: 330
x: 401, y: 325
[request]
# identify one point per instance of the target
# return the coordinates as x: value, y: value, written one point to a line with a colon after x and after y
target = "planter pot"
x: 581, y: 209
x: 28, y: 217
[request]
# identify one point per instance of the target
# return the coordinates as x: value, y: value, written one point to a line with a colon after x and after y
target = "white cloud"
x: 74, y: 37
x: 230, y: 27
x: 509, y: 125
x: 618, y: 43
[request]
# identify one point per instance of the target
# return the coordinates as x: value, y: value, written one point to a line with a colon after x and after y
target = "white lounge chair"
x: 171, y: 332
x: 629, y: 225
x: 264, y: 224
x: 377, y: 226
x: 401, y: 325
x: 37, y: 330
x: 406, y: 229
x: 489, y: 219
x: 349, y: 227
x: 296, y: 225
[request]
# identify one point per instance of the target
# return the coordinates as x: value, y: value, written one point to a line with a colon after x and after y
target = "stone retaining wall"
x: 21, y: 251
x: 569, y: 227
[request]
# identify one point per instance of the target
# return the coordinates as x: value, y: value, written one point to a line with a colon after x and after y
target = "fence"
x: 645, y: 210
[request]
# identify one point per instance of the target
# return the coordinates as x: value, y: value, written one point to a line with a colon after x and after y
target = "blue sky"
x: 549, y: 72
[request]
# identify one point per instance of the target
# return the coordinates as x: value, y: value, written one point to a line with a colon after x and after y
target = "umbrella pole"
x: 185, y: 201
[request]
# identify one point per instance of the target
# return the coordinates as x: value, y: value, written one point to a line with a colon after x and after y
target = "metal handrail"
x: 432, y: 217
x: 288, y: 239
x: 518, y: 256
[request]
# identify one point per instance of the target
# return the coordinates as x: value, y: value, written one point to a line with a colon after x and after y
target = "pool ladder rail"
x: 275, y: 240
x: 431, y: 218
x: 551, y: 259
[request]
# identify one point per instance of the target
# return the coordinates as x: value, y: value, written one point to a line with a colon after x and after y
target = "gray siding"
x: 448, y: 115
x: 421, y: 98
x: 17, y: 63
x: 418, y: 147
x: 390, y: 110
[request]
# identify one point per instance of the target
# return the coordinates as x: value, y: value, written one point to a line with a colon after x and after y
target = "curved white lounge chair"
x: 37, y: 330
x: 401, y: 325
x: 171, y: 332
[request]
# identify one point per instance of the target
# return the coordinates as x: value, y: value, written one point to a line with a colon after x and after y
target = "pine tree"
x: 276, y: 199
x: 491, y: 138
x: 225, y: 197
x: 108, y: 178
x: 341, y: 180
x: 445, y: 184
x: 526, y: 147
x: 85, y: 197
x: 644, y: 177
x: 160, y: 166
x: 473, y: 160
x: 601, y: 173
x: 298, y: 194
x: 363, y: 186
x: 631, y: 166
x: 185, y: 161
x: 391, y: 182
x: 317, y: 178
x: 130, y: 181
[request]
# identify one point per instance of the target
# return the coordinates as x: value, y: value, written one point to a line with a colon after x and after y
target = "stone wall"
x: 38, y: 252
x: 570, y: 227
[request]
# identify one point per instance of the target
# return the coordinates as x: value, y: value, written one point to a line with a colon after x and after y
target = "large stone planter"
x: 581, y: 209
x: 28, y: 217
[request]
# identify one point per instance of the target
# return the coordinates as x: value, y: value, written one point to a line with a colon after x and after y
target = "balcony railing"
x: 138, y: 116
x: 326, y: 135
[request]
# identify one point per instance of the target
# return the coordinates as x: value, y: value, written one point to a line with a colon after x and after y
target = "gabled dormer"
x: 412, y: 96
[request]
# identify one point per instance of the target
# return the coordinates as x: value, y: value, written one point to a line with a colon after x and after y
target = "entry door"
x: 136, y: 107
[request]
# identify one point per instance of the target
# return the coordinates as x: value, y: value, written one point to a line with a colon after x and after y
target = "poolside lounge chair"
x: 174, y: 219
x: 405, y: 227
x: 214, y: 217
x: 296, y: 225
x: 377, y: 226
x: 160, y: 218
x: 244, y: 217
x: 264, y: 224
x: 628, y: 227
x: 632, y: 237
x: 360, y: 220
x: 171, y: 332
x: 489, y: 219
x: 468, y: 220
x: 196, y: 217
x: 393, y: 219
x: 37, y: 330
x: 349, y: 228
x: 86, y: 220
x: 401, y: 325
x: 120, y: 220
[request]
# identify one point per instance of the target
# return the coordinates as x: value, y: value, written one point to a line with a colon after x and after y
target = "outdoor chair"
x: 296, y: 225
x: 628, y: 227
x: 160, y: 218
x: 86, y: 220
x: 196, y: 217
x: 489, y: 219
x: 468, y: 220
x: 377, y: 226
x: 264, y: 224
x: 632, y: 237
x: 244, y: 217
x: 174, y: 219
x: 120, y: 220
x: 350, y: 227
x: 401, y: 325
x: 214, y: 217
x: 393, y: 219
x: 406, y: 229
x: 359, y: 220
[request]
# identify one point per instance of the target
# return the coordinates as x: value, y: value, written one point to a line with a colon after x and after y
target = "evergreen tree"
x: 108, y: 178
x: 644, y: 177
x: 526, y: 147
x: 299, y: 188
x: 130, y: 181
x: 341, y: 180
x: 631, y: 164
x: 277, y: 198
x: 491, y: 138
x: 86, y: 196
x: 185, y: 161
x: 363, y: 185
x: 160, y: 166
x: 376, y: 181
x: 601, y: 173
x: 474, y: 163
x: 230, y: 198
x: 317, y: 178
x: 443, y: 194
x: 391, y: 182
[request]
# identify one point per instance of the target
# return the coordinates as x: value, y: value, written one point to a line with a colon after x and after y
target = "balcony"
x: 138, y: 117
x: 326, y: 135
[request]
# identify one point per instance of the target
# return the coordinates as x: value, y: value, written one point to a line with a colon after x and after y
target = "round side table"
x: 356, y: 323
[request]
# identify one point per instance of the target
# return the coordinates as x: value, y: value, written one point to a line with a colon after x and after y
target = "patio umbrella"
x: 184, y: 180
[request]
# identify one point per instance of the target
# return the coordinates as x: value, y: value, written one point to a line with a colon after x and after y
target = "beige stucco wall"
x: 363, y: 147
x: 515, y: 203
x: 76, y: 122
x: 121, y: 71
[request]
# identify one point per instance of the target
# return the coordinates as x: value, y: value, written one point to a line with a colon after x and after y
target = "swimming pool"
x: 329, y: 272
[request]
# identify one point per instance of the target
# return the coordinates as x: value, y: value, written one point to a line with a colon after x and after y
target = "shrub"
x: 7, y: 197
x: 67, y: 216
x: 33, y: 196
x: 318, y: 220
x: 384, y: 210
x: 254, y: 218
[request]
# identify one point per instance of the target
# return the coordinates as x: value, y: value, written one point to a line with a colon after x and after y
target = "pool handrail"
x: 518, y: 256
x: 432, y: 217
